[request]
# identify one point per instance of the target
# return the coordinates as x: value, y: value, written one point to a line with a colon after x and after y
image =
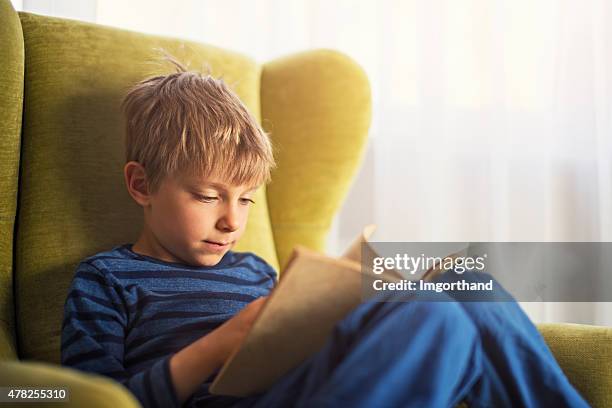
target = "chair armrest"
x: 85, y: 389
x: 584, y: 352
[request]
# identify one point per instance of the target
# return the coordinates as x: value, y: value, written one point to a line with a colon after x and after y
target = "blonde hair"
x: 190, y: 123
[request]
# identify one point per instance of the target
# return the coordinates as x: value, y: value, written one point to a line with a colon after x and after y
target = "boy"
x: 162, y: 315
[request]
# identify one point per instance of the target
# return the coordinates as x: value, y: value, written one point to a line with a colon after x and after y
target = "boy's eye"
x: 207, y: 199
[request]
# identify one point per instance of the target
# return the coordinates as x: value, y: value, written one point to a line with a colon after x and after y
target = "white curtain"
x: 492, y: 119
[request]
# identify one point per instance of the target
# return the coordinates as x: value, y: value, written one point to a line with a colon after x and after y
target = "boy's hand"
x: 194, y: 363
x: 231, y: 333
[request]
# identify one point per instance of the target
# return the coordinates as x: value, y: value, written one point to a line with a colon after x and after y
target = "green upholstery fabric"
x: 316, y: 105
x: 73, y: 200
x: 11, y: 102
x: 584, y: 352
x: 85, y: 390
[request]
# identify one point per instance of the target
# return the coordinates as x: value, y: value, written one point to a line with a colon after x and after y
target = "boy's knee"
x: 443, y: 310
x: 441, y: 307
x: 440, y: 321
x: 425, y: 324
x: 440, y: 310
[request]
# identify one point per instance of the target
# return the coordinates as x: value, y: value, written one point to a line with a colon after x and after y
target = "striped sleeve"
x: 93, y: 333
x: 266, y: 268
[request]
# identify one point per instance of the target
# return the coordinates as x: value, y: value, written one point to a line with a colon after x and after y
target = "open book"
x: 314, y: 292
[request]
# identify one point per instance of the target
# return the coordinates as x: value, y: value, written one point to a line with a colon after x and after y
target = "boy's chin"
x: 210, y: 259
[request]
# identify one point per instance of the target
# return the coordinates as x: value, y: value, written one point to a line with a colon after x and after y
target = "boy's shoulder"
x: 250, y: 257
x: 104, y: 259
x: 101, y: 265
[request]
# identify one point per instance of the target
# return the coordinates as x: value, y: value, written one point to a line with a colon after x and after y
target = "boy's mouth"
x: 218, y: 242
x: 217, y: 246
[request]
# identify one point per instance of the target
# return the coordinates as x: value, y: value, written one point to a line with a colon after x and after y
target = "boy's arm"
x: 193, y: 364
x: 93, y: 338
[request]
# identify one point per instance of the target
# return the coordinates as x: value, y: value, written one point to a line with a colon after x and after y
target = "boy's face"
x: 194, y: 221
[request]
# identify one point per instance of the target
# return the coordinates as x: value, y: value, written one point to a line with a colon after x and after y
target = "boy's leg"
x: 387, y: 354
x: 519, y: 368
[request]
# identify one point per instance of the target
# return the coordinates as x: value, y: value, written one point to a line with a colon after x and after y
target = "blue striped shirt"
x: 126, y: 314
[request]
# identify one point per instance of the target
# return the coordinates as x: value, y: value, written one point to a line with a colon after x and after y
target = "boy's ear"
x: 136, y: 182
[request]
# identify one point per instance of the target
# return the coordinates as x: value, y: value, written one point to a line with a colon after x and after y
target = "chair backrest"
x: 72, y: 201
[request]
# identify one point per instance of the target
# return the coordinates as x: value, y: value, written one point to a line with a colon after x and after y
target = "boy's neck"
x: 146, y: 245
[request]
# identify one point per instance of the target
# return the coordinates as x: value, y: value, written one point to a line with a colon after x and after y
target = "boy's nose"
x: 229, y: 221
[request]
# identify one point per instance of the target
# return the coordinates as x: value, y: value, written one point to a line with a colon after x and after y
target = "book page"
x: 353, y: 252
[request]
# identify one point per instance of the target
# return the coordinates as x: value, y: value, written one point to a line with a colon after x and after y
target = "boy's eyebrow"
x: 218, y: 186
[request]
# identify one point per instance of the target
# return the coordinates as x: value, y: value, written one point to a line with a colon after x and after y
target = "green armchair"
x: 62, y: 195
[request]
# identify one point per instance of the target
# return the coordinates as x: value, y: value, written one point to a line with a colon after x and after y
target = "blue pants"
x: 431, y: 351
